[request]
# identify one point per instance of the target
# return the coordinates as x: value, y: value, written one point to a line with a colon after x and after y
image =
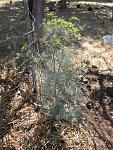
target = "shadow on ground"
x: 95, y: 20
x: 12, y: 24
x: 46, y: 136
x: 100, y: 106
x: 12, y: 20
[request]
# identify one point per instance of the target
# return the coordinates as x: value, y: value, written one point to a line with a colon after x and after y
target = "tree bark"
x: 63, y: 4
x: 33, y: 47
x: 112, y: 13
x: 38, y: 11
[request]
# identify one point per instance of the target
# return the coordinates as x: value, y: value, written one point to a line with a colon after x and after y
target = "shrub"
x: 59, y: 89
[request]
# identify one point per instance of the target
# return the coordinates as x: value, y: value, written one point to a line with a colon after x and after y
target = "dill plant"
x: 60, y: 91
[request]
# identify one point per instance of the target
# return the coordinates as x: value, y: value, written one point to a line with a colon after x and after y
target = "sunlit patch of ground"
x: 97, y: 53
x: 3, y: 2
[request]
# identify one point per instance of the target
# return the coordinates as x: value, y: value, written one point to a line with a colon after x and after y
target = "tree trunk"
x: 38, y: 11
x: 112, y: 14
x: 111, y: 9
x: 63, y: 4
x: 32, y: 39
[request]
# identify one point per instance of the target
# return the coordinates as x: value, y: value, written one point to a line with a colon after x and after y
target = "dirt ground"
x: 98, y: 80
x: 91, y: 51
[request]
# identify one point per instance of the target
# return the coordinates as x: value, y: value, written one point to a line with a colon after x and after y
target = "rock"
x: 108, y: 38
x: 110, y: 131
x: 90, y: 9
x: 89, y: 105
x: 78, y: 6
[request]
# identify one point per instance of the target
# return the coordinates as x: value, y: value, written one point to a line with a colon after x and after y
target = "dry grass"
x: 2, y: 2
x: 97, y: 53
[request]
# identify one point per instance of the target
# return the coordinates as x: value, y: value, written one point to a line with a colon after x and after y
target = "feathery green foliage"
x: 60, y: 90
